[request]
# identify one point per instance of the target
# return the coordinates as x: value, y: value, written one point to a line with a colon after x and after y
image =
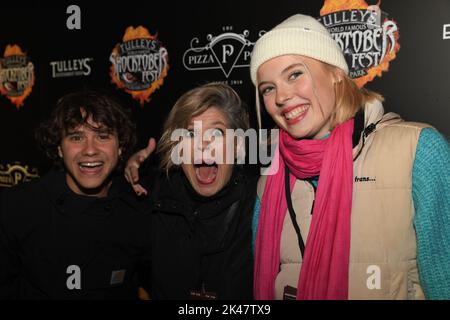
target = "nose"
x: 90, y: 147
x: 283, y: 95
x: 205, y: 144
x: 202, y: 143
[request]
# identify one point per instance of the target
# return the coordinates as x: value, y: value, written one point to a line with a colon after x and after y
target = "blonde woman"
x: 360, y: 205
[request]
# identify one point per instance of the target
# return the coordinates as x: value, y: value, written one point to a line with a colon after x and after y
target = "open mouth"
x: 91, y: 167
x: 206, y: 173
x: 293, y: 115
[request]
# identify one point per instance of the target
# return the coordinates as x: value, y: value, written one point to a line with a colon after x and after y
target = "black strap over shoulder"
x: 301, y: 244
x: 358, y: 127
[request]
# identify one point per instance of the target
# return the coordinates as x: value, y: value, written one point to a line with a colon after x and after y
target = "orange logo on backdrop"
x: 16, y: 75
x: 367, y: 37
x: 139, y: 64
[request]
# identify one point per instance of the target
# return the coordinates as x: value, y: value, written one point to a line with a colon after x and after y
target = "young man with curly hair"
x: 78, y: 232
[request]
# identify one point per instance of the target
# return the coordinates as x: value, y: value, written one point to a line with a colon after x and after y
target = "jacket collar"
x: 67, y: 202
x: 173, y: 197
x: 368, y: 120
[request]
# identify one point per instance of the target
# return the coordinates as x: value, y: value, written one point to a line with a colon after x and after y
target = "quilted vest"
x: 383, y: 242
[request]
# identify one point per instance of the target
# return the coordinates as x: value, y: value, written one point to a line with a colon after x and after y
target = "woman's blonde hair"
x: 349, y: 98
x: 195, y: 102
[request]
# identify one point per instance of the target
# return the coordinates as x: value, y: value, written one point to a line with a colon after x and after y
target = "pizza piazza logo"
x: 16, y: 75
x: 14, y: 174
x: 224, y: 52
x: 139, y: 64
x: 367, y: 37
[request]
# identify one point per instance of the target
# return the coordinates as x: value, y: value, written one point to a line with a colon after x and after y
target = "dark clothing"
x: 202, y: 244
x: 45, y: 229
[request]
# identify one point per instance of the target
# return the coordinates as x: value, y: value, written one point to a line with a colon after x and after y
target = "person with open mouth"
x: 202, y: 201
x: 359, y: 206
x: 78, y: 232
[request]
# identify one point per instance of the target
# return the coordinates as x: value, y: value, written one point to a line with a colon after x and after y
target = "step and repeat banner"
x: 148, y: 53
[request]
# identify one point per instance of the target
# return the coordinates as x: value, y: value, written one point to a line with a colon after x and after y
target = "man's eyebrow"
x: 73, y: 131
x: 104, y: 130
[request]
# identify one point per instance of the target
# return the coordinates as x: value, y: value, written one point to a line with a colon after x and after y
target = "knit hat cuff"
x: 283, y: 41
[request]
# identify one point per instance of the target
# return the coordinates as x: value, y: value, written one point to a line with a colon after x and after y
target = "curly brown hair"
x: 75, y: 109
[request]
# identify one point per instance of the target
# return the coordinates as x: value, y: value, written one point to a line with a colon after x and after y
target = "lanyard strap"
x: 301, y: 244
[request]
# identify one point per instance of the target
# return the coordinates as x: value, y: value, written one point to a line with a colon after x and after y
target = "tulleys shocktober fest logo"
x: 139, y: 63
x: 367, y: 37
x: 16, y: 75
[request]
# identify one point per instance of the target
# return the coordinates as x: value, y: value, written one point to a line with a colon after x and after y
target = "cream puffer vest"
x: 383, y: 242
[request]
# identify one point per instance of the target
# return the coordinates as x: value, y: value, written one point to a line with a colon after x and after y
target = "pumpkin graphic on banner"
x: 139, y: 64
x: 16, y: 75
x: 367, y: 37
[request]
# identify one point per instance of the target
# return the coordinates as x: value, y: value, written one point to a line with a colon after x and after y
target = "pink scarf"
x: 324, y: 272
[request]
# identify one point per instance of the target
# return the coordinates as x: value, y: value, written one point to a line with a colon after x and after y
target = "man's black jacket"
x: 55, y: 244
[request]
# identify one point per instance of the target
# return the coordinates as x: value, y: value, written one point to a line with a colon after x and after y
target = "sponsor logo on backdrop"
x: 139, y: 63
x: 446, y: 32
x: 12, y: 175
x: 80, y: 67
x: 16, y: 75
x: 224, y: 52
x: 368, y: 38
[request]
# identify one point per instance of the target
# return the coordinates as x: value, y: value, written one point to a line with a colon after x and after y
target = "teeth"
x: 90, y: 164
x: 207, y: 163
x: 294, y: 113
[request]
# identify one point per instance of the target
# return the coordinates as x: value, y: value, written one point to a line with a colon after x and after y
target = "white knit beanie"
x: 298, y: 34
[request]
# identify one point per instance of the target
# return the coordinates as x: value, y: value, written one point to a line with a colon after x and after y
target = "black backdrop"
x: 416, y: 85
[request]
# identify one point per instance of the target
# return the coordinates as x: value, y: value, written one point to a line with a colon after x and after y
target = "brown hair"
x: 75, y: 109
x: 195, y: 102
